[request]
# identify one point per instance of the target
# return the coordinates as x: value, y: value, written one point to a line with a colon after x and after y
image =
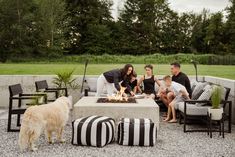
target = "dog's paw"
x: 62, y: 141
x: 50, y: 142
x: 34, y: 149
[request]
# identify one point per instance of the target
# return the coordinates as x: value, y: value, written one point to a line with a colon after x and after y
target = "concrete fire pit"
x: 143, y: 108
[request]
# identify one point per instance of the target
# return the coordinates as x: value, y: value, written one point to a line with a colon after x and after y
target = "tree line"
x: 53, y: 28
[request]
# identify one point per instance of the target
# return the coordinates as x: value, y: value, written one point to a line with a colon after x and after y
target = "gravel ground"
x: 171, y: 142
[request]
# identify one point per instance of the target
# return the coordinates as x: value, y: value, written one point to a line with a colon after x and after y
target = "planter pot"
x: 216, y: 114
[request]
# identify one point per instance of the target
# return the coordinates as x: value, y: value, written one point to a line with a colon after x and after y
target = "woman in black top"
x: 112, y: 78
x: 149, y: 81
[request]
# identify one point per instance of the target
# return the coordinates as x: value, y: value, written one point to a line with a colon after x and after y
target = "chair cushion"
x: 223, y: 93
x: 206, y: 95
x: 198, y: 90
x: 136, y: 132
x: 96, y: 131
x: 192, y: 109
x: 193, y: 84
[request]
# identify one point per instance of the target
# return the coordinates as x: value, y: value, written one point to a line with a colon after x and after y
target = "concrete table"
x: 144, y: 108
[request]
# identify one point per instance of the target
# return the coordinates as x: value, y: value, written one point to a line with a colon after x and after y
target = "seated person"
x: 180, y: 94
x: 132, y: 84
x: 149, y: 81
x: 180, y: 77
x: 165, y: 95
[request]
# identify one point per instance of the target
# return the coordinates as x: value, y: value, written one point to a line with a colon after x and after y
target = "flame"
x: 120, y: 96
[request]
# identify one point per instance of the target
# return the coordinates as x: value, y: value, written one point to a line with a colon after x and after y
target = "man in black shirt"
x: 180, y: 77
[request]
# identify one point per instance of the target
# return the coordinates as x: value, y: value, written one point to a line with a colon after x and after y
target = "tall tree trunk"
x: 52, y: 36
x: 19, y: 17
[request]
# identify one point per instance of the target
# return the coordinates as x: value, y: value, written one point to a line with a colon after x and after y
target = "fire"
x: 120, y: 96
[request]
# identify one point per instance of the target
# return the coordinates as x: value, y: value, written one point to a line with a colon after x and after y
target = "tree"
x: 200, y: 24
x: 144, y: 23
x: 51, y: 20
x: 214, y: 33
x: 230, y: 28
x: 18, y: 29
x: 87, y: 20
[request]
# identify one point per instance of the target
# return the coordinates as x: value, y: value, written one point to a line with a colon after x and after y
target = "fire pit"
x: 133, y: 108
x: 120, y: 97
x: 107, y: 100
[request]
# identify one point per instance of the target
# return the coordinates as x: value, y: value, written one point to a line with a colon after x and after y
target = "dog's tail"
x: 30, y: 129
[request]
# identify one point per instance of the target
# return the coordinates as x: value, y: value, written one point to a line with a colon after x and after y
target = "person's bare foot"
x: 172, y: 121
x: 166, y: 119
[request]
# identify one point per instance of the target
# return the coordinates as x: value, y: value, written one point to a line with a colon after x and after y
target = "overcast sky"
x: 184, y: 5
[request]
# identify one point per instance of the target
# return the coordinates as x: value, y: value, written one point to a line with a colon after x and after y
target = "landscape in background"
x: 116, y: 32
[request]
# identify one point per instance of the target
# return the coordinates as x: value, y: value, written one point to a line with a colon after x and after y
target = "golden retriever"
x: 49, y: 118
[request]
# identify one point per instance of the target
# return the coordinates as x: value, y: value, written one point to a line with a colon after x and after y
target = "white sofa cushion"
x: 194, y: 110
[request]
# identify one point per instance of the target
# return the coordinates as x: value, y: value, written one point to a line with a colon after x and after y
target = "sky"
x: 183, y: 5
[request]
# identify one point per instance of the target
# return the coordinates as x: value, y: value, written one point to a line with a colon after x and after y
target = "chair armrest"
x: 196, y: 101
x: 56, y: 89
x: 50, y: 91
x: 35, y: 94
x: 21, y: 98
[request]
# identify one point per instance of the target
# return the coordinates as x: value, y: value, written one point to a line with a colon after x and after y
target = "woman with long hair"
x: 112, y: 78
x: 149, y: 81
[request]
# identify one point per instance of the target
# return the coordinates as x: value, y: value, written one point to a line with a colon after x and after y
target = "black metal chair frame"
x: 209, y: 125
x: 42, y: 86
x: 187, y: 117
x: 16, y: 94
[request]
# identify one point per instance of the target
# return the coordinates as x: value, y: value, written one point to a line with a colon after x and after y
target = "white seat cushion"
x: 192, y: 109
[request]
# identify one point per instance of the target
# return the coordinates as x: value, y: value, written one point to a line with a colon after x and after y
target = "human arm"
x: 116, y: 81
x: 139, y: 83
x: 184, y: 93
x: 188, y: 86
x: 157, y: 81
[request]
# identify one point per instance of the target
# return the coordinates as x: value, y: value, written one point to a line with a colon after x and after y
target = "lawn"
x: 96, y: 69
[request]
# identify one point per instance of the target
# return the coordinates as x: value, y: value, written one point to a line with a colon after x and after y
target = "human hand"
x: 132, y: 93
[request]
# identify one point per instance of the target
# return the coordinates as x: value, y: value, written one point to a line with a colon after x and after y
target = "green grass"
x: 96, y: 69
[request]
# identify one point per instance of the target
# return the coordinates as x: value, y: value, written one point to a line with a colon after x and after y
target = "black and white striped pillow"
x: 95, y: 131
x: 136, y: 132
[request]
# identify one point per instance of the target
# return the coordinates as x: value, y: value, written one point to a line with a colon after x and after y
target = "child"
x: 149, y: 81
x: 133, y: 84
x: 180, y: 94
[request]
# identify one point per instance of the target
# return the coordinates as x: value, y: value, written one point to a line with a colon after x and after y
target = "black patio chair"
x: 186, y: 117
x: 42, y: 86
x: 16, y: 94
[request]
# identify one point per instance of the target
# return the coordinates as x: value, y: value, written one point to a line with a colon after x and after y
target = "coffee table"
x: 144, y: 108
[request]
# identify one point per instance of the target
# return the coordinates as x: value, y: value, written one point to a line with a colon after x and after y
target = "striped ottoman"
x: 96, y: 131
x: 136, y: 132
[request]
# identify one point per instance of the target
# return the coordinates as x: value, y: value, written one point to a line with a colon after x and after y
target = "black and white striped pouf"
x: 136, y: 132
x: 95, y: 131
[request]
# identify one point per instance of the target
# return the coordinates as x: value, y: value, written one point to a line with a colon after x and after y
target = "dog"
x: 49, y: 118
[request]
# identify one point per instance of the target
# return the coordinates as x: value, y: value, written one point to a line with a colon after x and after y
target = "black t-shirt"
x: 184, y: 80
x: 133, y: 84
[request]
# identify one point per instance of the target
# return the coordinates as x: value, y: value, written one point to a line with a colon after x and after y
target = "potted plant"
x: 216, y: 111
x: 65, y: 79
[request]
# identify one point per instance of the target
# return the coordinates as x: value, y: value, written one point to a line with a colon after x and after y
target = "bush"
x: 139, y: 59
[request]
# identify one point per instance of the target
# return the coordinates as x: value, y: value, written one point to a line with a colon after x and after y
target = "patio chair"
x: 42, y: 86
x: 188, y: 110
x: 16, y: 93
